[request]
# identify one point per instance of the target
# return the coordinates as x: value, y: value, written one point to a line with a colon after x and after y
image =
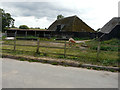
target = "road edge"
x: 60, y: 62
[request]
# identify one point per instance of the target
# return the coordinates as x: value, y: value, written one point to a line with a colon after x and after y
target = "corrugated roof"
x: 108, y: 27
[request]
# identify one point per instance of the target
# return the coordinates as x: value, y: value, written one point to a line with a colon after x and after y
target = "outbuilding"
x: 111, y: 29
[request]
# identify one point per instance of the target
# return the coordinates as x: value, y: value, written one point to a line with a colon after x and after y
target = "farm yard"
x: 97, y: 47
x: 84, y: 52
x: 73, y: 44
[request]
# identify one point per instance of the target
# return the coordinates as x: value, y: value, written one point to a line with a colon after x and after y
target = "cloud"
x: 31, y: 21
x: 37, y: 9
x: 94, y: 12
x: 23, y: 11
x: 119, y: 9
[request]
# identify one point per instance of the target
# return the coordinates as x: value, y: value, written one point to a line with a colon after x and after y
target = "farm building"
x: 63, y: 28
x: 28, y: 32
x: 111, y: 29
x: 71, y: 26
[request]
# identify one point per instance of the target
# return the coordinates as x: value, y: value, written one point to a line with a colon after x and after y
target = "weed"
x: 54, y: 63
x: 61, y: 56
x: 108, y: 55
x: 22, y: 59
x: 44, y: 54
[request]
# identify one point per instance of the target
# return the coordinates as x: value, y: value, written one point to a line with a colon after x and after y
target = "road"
x: 23, y: 74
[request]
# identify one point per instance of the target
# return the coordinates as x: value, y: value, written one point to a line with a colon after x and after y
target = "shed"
x: 28, y: 32
x: 111, y: 29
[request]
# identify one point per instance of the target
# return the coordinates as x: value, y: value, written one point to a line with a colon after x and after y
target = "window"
x: 58, y: 28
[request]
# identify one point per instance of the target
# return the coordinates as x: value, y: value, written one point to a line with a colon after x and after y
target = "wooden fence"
x: 37, y: 45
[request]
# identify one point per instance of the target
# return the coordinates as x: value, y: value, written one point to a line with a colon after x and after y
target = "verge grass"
x: 87, y: 55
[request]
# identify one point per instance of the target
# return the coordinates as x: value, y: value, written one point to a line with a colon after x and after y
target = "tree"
x: 98, y: 29
x: 7, y: 20
x: 13, y: 26
x: 60, y: 16
x: 23, y: 27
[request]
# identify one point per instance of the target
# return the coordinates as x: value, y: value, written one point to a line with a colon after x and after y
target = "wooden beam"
x: 26, y: 33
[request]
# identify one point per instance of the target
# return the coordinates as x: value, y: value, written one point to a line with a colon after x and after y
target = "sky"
x: 42, y: 13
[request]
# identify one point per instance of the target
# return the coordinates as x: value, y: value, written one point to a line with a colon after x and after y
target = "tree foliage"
x: 60, y: 16
x: 7, y: 20
x: 23, y: 27
x: 98, y: 29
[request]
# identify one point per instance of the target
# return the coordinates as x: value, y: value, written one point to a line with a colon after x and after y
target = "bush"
x: 109, y: 62
x: 113, y: 41
x: 93, y: 47
x: 105, y: 48
x: 23, y: 27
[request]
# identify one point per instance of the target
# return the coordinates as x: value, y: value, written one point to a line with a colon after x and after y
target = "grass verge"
x: 86, y: 56
x: 59, y: 62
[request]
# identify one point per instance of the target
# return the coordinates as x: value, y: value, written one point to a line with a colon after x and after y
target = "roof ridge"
x: 67, y: 17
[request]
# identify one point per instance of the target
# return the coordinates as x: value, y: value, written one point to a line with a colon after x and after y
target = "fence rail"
x: 43, y: 46
x: 46, y: 53
x: 37, y: 45
x: 96, y: 52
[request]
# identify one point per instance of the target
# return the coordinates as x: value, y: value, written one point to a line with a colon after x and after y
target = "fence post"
x: 6, y: 33
x: 98, y: 50
x: 26, y: 33
x: 35, y: 33
x: 65, y: 50
x: 15, y: 41
x: 38, y: 43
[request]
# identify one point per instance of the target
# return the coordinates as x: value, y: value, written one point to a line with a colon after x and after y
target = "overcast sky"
x: 95, y: 13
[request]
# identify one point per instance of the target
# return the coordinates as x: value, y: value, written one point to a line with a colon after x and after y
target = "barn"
x: 111, y: 29
x: 66, y: 27
x: 71, y: 26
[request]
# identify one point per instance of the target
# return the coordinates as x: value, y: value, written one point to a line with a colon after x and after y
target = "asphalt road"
x: 23, y: 74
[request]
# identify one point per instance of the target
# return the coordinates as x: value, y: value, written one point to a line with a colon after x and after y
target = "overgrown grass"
x: 105, y: 48
x: 111, y: 42
x: 108, y: 55
x: 82, y: 59
x: 86, y: 38
x: 107, y: 59
x: 109, y: 45
x: 3, y: 37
